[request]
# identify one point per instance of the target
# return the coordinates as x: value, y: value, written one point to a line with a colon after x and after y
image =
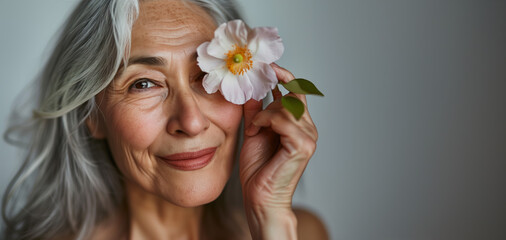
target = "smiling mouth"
x: 188, y: 161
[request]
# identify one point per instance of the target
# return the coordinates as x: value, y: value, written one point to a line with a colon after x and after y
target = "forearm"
x: 267, y: 224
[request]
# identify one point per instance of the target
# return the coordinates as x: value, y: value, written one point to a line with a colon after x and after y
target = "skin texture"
x: 172, y: 114
x: 276, y: 150
x: 157, y: 107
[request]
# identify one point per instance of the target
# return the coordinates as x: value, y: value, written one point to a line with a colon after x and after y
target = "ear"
x: 96, y: 125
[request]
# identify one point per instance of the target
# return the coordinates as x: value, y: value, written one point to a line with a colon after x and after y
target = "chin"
x: 199, y: 187
x: 197, y: 195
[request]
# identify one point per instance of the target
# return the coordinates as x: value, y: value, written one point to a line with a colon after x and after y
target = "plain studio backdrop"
x: 413, y: 125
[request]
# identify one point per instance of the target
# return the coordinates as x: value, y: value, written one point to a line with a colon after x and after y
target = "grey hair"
x: 68, y: 181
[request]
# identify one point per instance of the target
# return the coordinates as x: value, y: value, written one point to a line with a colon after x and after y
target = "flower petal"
x: 265, y: 44
x: 236, y: 90
x: 227, y: 35
x: 263, y: 78
x: 220, y: 44
x: 237, y: 31
x: 246, y: 86
x: 212, y: 81
x: 265, y: 47
x: 207, y: 62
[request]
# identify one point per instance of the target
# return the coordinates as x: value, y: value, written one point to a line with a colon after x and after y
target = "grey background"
x: 413, y: 125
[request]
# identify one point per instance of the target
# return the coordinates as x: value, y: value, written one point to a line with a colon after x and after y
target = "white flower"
x: 237, y: 61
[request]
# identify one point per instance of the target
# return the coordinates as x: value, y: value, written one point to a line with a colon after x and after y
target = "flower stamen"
x: 239, y: 60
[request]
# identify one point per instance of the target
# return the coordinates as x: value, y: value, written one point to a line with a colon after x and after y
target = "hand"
x: 275, y: 152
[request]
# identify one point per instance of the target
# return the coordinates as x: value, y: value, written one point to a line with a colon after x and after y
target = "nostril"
x: 187, y: 118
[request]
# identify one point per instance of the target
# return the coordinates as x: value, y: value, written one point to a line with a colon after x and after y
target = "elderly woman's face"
x: 157, y: 109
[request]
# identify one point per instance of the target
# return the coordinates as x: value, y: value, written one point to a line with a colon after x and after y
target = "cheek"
x: 135, y: 126
x: 227, y: 116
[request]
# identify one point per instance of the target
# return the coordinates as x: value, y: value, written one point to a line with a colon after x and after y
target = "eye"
x: 142, y: 84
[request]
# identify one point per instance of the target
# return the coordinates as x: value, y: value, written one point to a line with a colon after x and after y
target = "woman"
x: 126, y: 144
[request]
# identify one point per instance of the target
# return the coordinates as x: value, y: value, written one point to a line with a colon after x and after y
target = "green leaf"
x: 302, y: 86
x: 293, y: 105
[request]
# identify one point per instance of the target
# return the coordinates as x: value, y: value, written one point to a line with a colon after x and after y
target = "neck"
x: 151, y: 217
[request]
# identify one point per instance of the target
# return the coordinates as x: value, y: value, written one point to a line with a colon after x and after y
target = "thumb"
x: 250, y: 110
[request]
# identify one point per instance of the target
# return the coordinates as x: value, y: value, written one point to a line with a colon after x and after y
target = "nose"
x: 186, y: 117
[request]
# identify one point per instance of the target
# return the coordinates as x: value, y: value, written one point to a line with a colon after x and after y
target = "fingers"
x: 282, y: 74
x: 281, y: 122
x: 285, y: 76
x: 276, y: 94
x: 253, y: 110
x: 295, y: 135
x: 250, y: 109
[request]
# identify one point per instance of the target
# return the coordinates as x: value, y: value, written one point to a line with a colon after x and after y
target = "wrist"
x: 272, y: 223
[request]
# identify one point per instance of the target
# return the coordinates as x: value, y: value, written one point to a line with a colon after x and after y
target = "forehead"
x: 170, y: 25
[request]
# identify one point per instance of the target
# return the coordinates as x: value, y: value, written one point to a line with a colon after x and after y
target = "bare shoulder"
x: 309, y: 225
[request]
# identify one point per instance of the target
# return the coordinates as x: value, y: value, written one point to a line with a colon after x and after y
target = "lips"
x: 188, y: 161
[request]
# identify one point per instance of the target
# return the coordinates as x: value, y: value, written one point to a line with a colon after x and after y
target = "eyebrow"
x: 150, y: 61
x: 144, y: 60
x: 147, y: 60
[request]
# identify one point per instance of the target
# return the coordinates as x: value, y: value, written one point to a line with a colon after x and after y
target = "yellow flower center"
x: 239, y: 60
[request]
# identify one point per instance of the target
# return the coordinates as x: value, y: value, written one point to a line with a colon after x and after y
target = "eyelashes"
x: 145, y: 84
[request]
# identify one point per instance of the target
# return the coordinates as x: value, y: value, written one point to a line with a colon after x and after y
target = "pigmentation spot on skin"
x: 183, y: 24
x: 174, y: 116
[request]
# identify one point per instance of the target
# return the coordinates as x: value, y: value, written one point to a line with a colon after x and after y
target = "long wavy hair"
x: 68, y: 181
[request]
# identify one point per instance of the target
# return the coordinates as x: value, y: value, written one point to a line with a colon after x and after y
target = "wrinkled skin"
x: 158, y: 107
